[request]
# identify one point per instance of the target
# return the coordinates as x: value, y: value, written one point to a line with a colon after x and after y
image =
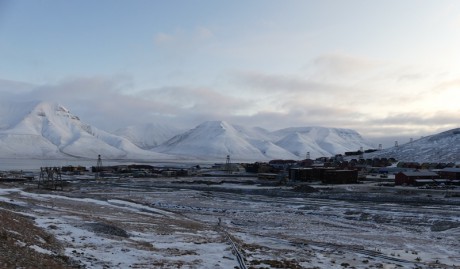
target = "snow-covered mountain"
x: 149, y: 135
x: 218, y: 139
x: 320, y: 141
x: 442, y: 147
x: 49, y: 130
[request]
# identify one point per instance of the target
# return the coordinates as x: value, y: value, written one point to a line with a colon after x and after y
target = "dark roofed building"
x: 300, y: 174
x: 340, y: 177
x: 450, y: 173
x: 409, y: 178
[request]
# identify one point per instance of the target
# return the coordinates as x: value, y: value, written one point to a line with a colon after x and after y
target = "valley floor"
x: 207, y: 223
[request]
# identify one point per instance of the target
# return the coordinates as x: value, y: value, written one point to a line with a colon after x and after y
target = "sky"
x: 387, y: 69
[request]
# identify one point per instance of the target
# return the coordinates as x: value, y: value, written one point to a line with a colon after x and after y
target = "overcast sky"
x: 388, y: 69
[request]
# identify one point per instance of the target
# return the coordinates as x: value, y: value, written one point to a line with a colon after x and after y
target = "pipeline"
x: 237, y: 252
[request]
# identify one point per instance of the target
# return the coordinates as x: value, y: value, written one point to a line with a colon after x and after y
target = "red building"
x: 409, y: 178
x: 450, y: 173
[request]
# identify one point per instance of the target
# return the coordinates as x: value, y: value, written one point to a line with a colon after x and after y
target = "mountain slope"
x: 301, y: 144
x: 12, y: 113
x: 41, y: 129
x: 442, y: 147
x: 149, y: 135
x: 319, y: 141
x: 218, y: 139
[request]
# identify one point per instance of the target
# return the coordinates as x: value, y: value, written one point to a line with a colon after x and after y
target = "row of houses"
x: 141, y: 170
x: 446, y: 176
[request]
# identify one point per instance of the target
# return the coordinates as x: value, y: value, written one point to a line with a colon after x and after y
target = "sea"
x: 34, y: 165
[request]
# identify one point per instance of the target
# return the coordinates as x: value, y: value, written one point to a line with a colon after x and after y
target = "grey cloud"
x: 163, y: 39
x: 197, y: 102
x: 302, y: 91
x: 411, y: 77
x: 184, y: 35
x: 100, y: 101
x: 285, y: 84
x: 182, y: 43
x: 105, y: 103
x: 313, y: 115
x: 410, y: 119
x: 343, y: 64
x: 401, y: 127
x: 15, y: 87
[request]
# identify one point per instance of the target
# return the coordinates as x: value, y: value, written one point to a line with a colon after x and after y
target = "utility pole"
x: 228, y: 165
x: 98, y: 167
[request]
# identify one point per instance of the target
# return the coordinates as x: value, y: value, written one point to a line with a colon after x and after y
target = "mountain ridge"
x: 37, y: 129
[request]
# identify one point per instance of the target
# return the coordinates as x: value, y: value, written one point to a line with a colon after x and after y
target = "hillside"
x: 320, y: 141
x: 442, y: 147
x: 148, y: 136
x: 49, y: 130
x: 218, y: 139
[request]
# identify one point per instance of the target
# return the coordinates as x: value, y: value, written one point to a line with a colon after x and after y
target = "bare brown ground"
x: 19, y: 238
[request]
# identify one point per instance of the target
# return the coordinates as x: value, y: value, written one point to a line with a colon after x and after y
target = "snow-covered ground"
x: 178, y: 223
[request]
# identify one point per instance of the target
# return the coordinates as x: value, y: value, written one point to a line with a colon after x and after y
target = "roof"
x: 340, y: 171
x: 425, y: 180
x: 420, y: 173
x: 450, y: 169
x: 436, y: 180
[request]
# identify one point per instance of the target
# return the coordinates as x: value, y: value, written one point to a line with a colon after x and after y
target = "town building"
x: 340, y: 177
x: 415, y: 177
x: 450, y: 173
